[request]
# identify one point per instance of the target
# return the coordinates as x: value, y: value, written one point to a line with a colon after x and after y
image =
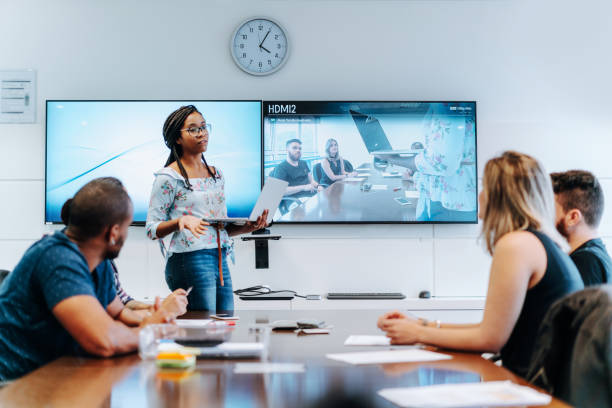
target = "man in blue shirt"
x: 579, y: 205
x: 60, y: 298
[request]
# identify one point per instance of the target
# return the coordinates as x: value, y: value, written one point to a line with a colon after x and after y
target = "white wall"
x: 540, y: 71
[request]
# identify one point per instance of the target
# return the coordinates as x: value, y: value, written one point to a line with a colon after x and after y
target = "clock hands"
x: 261, y: 47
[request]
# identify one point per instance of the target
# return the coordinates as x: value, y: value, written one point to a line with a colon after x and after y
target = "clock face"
x: 260, y: 46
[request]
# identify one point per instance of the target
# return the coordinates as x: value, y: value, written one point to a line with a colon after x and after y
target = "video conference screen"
x: 373, y: 162
x: 123, y: 139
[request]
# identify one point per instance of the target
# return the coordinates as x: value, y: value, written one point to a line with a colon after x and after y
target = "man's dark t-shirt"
x: 52, y: 270
x: 593, y: 262
x: 295, y: 176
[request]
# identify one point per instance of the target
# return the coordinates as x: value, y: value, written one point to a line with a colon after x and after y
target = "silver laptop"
x: 374, y: 136
x: 269, y: 199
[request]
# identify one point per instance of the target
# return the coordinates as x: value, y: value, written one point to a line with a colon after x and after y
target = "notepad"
x: 265, y: 368
x: 355, y: 178
x: 492, y: 394
x: 388, y: 356
x: 412, y: 194
x: 367, y: 340
x: 379, y: 187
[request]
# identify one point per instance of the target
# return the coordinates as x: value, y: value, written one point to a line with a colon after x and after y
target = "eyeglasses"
x: 194, y: 131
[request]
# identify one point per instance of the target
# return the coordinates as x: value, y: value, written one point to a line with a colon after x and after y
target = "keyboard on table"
x: 364, y: 295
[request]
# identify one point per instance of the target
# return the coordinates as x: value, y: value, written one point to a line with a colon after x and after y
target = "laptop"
x: 269, y: 198
x: 374, y: 136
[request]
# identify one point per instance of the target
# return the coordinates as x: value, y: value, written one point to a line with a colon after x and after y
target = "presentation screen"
x: 372, y: 162
x: 123, y: 139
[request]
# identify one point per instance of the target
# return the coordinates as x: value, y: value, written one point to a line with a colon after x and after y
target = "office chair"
x: 348, y: 167
x: 572, y: 358
x: 3, y: 274
x: 317, y: 174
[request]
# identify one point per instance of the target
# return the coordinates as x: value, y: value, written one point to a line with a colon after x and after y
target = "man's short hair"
x: 580, y: 189
x: 298, y: 141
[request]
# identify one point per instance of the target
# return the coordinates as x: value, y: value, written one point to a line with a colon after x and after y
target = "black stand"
x: 261, y: 237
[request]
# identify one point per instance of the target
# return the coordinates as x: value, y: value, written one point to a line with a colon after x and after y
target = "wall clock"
x: 260, y: 46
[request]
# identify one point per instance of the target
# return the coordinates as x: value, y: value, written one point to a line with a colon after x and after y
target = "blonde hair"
x: 518, y: 195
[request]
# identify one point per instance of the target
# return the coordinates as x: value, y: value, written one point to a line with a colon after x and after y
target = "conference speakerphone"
x: 363, y: 295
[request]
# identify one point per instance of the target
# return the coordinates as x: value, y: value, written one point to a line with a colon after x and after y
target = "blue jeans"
x: 200, y: 269
x: 439, y: 213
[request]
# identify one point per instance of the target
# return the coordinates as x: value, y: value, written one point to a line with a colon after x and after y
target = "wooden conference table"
x: 347, y: 201
x: 130, y: 382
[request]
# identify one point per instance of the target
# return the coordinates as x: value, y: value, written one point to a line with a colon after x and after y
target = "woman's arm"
x: 518, y: 257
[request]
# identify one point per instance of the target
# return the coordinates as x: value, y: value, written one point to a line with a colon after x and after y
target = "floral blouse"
x: 446, y: 169
x: 170, y: 199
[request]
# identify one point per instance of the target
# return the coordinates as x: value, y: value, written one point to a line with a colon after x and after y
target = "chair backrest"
x: 348, y: 167
x: 573, y: 359
x: 3, y: 274
x: 317, y: 172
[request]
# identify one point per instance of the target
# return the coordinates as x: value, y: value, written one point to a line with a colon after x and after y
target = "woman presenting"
x: 186, y: 191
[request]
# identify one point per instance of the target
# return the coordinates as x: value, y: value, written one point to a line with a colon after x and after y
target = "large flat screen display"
x: 373, y: 162
x: 123, y: 139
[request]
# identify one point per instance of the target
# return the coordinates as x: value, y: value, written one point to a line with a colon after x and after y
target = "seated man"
x: 296, y: 172
x: 60, y: 298
x: 580, y: 203
x: 131, y: 304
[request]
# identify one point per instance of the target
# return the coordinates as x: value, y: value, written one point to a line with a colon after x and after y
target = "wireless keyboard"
x: 363, y: 295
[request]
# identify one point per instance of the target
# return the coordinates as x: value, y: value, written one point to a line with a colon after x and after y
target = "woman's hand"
x: 390, y: 315
x: 261, y: 222
x: 193, y: 224
x: 402, y: 331
x: 175, y: 303
x: 168, y: 310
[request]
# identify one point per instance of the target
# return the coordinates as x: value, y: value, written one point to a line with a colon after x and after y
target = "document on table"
x: 192, y: 322
x: 259, y: 368
x: 355, y: 178
x: 367, y: 341
x: 379, y: 187
x: 491, y: 394
x: 412, y: 193
x: 388, y: 356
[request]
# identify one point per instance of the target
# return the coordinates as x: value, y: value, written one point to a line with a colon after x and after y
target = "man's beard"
x: 295, y: 157
x: 562, y: 228
x: 112, y: 253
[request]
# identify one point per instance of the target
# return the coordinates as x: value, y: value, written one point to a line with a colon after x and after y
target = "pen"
x: 188, y: 291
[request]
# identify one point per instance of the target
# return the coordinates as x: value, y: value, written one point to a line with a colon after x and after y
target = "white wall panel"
x: 461, y: 268
x: 541, y: 88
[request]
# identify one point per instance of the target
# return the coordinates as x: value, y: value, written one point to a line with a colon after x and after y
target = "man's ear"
x: 573, y: 217
x: 113, y: 234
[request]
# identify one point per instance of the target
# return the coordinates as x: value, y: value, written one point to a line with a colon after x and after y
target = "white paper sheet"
x: 379, y: 187
x: 259, y: 368
x: 388, y: 356
x: 366, y: 340
x: 192, y: 322
x: 412, y: 193
x: 354, y: 179
x: 492, y: 394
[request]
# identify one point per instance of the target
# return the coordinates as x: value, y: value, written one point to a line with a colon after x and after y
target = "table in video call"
x: 130, y: 382
x: 347, y: 201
